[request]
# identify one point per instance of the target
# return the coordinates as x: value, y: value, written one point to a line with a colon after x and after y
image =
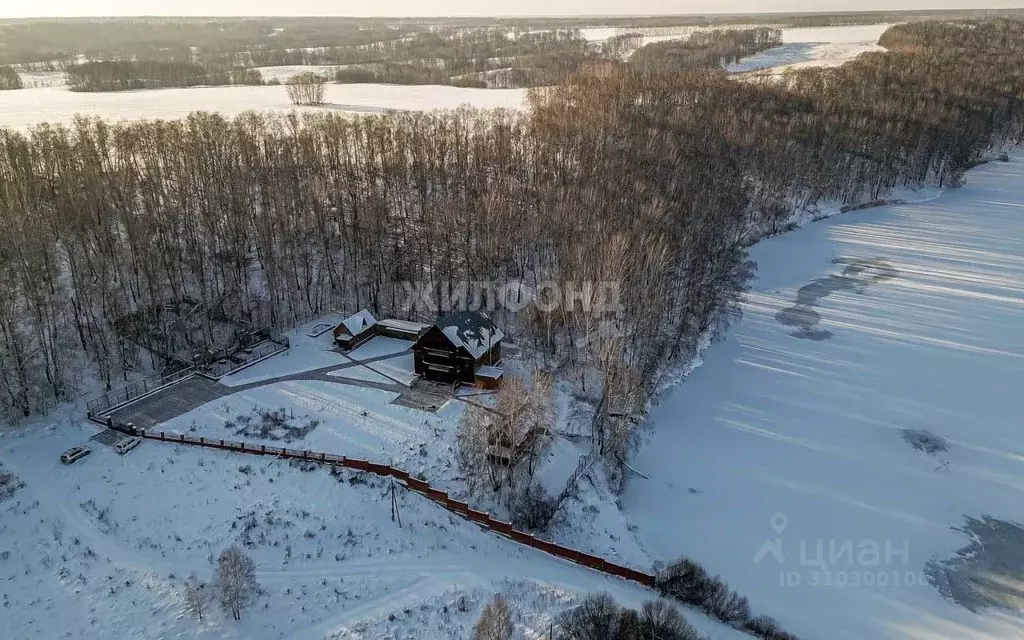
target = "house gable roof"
x: 358, y: 322
x: 472, y: 330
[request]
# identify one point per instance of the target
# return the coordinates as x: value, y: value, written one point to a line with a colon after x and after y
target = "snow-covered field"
x: 781, y: 462
x: 28, y: 107
x: 101, y: 550
x: 815, y: 47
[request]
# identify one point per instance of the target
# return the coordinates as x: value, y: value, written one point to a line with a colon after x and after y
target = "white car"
x: 127, y: 445
x: 74, y: 454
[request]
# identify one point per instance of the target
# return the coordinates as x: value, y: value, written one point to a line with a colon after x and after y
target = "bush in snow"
x: 596, y: 618
x: 688, y: 582
x: 599, y: 617
x: 684, y: 580
x: 767, y: 628
x: 660, y: 620
x: 495, y: 622
x: 725, y: 604
x: 533, y: 508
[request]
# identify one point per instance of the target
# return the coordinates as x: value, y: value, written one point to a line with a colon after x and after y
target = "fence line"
x: 586, y: 461
x: 421, y: 487
x: 238, y: 361
x: 132, y: 392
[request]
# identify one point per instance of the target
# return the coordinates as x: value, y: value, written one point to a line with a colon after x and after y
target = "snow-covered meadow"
x: 101, y: 550
x: 27, y: 107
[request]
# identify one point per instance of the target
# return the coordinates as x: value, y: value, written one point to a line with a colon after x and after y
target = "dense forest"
x: 644, y: 175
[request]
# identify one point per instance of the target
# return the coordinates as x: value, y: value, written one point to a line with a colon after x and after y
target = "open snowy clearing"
x: 352, y: 421
x: 815, y: 47
x: 100, y: 549
x: 305, y: 353
x: 27, y: 107
x: 797, y: 440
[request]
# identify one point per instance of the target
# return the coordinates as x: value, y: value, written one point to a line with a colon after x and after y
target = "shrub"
x: 762, y: 627
x: 533, y: 509
x: 663, y: 621
x: 725, y: 604
x: 495, y: 622
x: 596, y: 618
x: 684, y: 580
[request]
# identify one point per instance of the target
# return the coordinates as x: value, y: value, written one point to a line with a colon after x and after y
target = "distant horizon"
x: 438, y: 9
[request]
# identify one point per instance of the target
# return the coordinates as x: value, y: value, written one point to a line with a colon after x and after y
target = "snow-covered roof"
x: 359, y: 322
x: 473, y: 330
x: 490, y: 372
x: 403, y: 325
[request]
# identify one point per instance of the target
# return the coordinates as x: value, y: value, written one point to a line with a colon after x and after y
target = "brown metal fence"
x: 421, y: 487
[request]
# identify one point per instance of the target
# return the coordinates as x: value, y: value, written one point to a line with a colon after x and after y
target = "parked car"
x: 74, y: 454
x: 127, y: 445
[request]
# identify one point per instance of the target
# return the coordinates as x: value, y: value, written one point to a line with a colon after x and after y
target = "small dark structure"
x: 457, y: 346
x: 355, y: 330
x: 488, y: 377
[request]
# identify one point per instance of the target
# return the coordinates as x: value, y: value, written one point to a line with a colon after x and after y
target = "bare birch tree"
x: 197, y: 596
x: 235, y: 581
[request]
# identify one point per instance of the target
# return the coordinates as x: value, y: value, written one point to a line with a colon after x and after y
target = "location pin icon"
x: 779, y: 523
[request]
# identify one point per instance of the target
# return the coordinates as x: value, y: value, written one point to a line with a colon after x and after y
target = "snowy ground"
x: 100, y: 550
x: 353, y: 421
x: 304, y: 354
x: 27, y: 107
x: 786, y: 446
x: 815, y: 47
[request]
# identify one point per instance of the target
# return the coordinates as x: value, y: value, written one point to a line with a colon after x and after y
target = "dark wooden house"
x: 456, y: 346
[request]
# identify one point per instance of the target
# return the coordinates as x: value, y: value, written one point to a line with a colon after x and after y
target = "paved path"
x: 192, y: 393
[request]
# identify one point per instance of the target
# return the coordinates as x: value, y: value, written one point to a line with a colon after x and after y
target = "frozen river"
x: 785, y: 461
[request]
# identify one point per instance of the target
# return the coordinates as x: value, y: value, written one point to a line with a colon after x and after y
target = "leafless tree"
x: 197, y: 596
x: 235, y: 581
x: 306, y: 88
x: 495, y: 621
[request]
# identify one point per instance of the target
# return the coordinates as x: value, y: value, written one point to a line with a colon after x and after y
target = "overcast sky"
x: 69, y: 8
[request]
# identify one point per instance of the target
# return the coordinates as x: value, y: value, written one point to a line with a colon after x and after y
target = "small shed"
x: 488, y: 377
x: 456, y: 346
x: 401, y: 329
x: 355, y: 330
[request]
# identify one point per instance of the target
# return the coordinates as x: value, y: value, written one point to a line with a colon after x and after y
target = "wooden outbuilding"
x: 355, y: 330
x: 488, y: 377
x: 401, y: 329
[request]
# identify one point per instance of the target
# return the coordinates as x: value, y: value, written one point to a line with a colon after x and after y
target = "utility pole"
x: 394, y: 505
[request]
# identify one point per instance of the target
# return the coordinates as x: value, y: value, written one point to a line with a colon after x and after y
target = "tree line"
x: 650, y: 178
x: 717, y: 48
x: 116, y: 75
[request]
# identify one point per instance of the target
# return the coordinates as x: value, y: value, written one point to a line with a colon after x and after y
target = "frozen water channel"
x: 813, y: 500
